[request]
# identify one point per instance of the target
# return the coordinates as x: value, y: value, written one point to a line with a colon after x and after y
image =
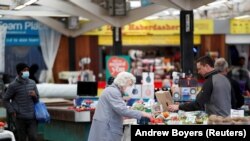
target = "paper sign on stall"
x: 136, y: 92
x: 148, y: 91
x: 148, y: 78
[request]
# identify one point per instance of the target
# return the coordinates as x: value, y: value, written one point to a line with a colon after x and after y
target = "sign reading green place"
x: 116, y: 64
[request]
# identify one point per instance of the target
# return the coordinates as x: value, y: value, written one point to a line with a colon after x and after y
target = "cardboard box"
x: 164, y: 98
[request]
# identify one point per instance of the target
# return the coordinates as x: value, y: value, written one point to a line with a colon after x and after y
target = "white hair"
x: 122, y: 78
x: 220, y: 64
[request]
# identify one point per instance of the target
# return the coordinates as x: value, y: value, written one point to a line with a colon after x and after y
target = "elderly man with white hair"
x: 237, y: 99
x: 107, y: 123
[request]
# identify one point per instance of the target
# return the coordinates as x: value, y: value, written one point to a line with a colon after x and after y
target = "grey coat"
x: 107, y: 124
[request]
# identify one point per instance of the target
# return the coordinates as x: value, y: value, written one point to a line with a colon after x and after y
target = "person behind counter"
x: 237, y: 98
x: 19, y: 101
x: 215, y: 95
x: 107, y: 124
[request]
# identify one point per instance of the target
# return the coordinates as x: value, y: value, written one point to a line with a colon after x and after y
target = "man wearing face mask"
x: 107, y: 123
x: 19, y: 101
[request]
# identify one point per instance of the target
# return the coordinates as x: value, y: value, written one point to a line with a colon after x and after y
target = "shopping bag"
x: 41, y: 112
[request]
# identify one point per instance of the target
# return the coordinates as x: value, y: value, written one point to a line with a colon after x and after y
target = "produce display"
x: 182, y: 117
x: 171, y: 118
x: 139, y: 105
x: 2, y: 124
x: 85, y: 106
x: 214, y: 119
x: 161, y: 117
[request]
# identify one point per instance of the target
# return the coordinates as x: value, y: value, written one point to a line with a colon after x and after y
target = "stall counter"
x: 66, y: 124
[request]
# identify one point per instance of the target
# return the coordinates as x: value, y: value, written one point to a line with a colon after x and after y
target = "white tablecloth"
x: 7, y: 134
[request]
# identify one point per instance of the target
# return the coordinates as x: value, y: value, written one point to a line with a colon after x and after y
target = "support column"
x: 117, y: 40
x: 187, y: 32
x: 72, y: 54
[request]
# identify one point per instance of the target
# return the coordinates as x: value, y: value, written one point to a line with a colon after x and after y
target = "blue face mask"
x: 25, y: 74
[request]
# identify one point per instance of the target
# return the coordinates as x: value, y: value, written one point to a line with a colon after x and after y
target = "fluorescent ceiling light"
x: 217, y: 2
x: 135, y: 4
x: 30, y: 2
x: 20, y: 7
x: 166, y: 12
x: 237, y: 1
x: 25, y: 4
x: 203, y: 7
x: 176, y: 12
x: 243, y: 17
x: 83, y: 19
x: 151, y: 18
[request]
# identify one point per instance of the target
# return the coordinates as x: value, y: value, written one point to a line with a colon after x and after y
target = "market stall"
x: 70, y: 113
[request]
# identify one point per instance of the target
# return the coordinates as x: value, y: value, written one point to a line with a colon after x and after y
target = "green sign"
x: 116, y: 64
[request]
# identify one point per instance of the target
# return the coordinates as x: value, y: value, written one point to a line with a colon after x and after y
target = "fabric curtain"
x: 49, y: 41
x: 3, y: 31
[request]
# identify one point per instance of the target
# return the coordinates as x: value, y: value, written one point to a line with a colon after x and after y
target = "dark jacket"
x: 237, y: 96
x: 214, y: 97
x: 17, y: 99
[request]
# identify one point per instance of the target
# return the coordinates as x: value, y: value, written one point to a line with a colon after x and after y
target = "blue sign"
x: 21, y: 32
x: 21, y: 27
x: 22, y: 41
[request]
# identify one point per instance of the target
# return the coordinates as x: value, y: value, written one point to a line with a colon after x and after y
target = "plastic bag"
x: 41, y: 112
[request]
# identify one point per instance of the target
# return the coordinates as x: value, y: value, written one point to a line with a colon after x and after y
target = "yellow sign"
x: 156, y: 27
x: 240, y: 26
x: 146, y: 40
x: 152, y: 27
x: 203, y: 26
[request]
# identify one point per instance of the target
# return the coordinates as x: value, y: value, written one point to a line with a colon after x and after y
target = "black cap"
x: 20, y: 67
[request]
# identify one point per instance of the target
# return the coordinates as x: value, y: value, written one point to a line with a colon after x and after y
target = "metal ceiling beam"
x: 98, y: 11
x: 87, y: 27
x: 183, y: 4
x: 198, y: 3
x: 32, y: 13
x: 140, y: 13
x: 54, y: 24
x: 61, y: 27
x: 167, y: 3
x: 67, y: 7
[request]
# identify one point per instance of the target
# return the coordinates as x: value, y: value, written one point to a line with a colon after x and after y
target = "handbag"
x: 41, y: 112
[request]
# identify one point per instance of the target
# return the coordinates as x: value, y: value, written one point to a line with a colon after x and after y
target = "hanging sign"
x: 21, y: 32
x: 146, y: 40
x: 116, y: 64
x: 156, y: 27
x: 240, y: 26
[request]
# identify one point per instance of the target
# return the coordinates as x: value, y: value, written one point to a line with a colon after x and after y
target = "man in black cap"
x: 19, y: 100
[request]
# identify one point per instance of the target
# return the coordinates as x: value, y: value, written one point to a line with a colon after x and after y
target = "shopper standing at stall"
x: 19, y: 101
x: 237, y: 98
x: 241, y: 75
x: 107, y: 124
x: 215, y: 95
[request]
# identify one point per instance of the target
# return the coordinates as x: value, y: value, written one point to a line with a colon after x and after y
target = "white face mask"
x: 128, y: 90
x: 25, y: 74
